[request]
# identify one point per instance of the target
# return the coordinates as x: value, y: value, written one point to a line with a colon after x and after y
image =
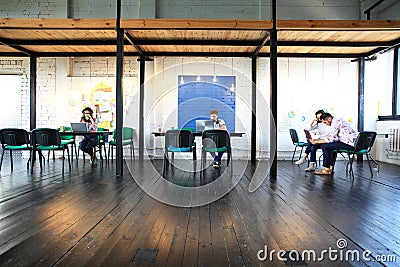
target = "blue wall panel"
x: 197, y: 98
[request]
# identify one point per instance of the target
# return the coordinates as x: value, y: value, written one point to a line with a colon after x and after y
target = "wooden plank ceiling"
x: 157, y: 37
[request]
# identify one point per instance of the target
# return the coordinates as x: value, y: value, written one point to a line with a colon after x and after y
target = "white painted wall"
x: 225, y: 9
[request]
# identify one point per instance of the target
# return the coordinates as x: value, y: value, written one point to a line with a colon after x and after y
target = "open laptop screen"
x: 202, y: 125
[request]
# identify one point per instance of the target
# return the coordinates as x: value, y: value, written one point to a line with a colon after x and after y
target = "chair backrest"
x: 188, y: 128
x: 365, y: 140
x: 127, y: 133
x: 216, y: 138
x: 14, y: 137
x: 67, y: 137
x: 308, y: 135
x: 178, y: 138
x: 46, y: 137
x: 294, y: 136
x: 101, y: 137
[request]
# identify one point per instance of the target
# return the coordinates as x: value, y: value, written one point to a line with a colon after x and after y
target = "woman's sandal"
x: 323, y: 172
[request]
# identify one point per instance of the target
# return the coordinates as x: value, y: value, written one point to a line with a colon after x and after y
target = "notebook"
x: 202, y: 125
x: 78, y: 126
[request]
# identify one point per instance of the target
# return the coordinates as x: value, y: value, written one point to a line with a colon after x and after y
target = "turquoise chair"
x: 214, y: 141
x: 296, y: 142
x: 127, y: 139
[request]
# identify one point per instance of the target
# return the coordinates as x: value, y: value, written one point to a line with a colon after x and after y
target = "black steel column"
x: 273, y: 93
x: 32, y: 91
x: 360, y: 120
x: 361, y: 74
x: 254, y: 109
x: 395, y: 81
x: 118, y: 93
x: 141, y: 106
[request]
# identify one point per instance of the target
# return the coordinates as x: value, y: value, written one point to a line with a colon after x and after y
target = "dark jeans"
x: 312, y: 151
x: 217, y: 157
x: 327, y: 150
x: 88, y: 143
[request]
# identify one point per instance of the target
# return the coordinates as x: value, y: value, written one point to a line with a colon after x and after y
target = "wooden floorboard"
x: 89, y: 217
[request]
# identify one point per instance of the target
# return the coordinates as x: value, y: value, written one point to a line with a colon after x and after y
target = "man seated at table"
x: 89, y: 141
x: 218, y: 124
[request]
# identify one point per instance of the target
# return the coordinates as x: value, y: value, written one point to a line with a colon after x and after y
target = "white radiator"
x: 394, y: 140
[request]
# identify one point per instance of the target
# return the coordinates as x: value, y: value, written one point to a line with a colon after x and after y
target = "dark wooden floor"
x: 90, y: 217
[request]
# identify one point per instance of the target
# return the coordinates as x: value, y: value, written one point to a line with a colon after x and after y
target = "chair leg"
x: 229, y: 157
x: 203, y: 159
x: 351, y: 159
x: 377, y: 164
x: 1, y: 160
x: 40, y: 158
x: 63, y: 159
x: 294, y: 152
x: 105, y: 152
x: 369, y: 164
x: 12, y: 164
x: 108, y: 157
x: 194, y: 148
x: 112, y: 155
x: 164, y: 164
x: 32, y: 159
x: 133, y: 150
x: 301, y: 152
x: 69, y: 161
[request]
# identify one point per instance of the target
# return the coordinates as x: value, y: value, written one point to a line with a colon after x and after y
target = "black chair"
x: 215, y: 141
x: 296, y: 142
x: 48, y: 139
x: 13, y: 139
x: 363, y: 144
x: 178, y: 141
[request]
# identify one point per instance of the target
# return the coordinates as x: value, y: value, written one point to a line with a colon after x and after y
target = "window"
x: 392, y: 99
x: 398, y: 84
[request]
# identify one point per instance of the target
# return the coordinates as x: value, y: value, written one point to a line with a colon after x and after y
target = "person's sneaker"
x: 216, y: 164
x: 94, y: 160
x: 300, y: 161
x: 311, y: 168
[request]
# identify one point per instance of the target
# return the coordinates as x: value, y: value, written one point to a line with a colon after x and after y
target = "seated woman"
x: 342, y: 136
x: 323, y: 129
x: 89, y: 141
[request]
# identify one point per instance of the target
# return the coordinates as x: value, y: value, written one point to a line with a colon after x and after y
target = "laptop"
x: 202, y: 125
x: 78, y: 126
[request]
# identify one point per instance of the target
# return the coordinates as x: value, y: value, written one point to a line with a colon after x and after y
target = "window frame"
x: 395, y: 91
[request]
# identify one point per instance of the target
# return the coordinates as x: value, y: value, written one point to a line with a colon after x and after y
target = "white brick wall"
x: 19, y: 66
x: 232, y: 9
x: 33, y: 9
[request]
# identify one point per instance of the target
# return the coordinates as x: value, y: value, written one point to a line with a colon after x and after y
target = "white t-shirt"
x: 219, y: 123
x: 320, y: 131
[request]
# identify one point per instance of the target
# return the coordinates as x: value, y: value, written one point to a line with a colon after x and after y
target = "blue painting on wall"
x: 197, y: 97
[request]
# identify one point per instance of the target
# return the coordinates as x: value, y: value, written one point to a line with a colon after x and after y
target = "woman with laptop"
x: 89, y: 141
